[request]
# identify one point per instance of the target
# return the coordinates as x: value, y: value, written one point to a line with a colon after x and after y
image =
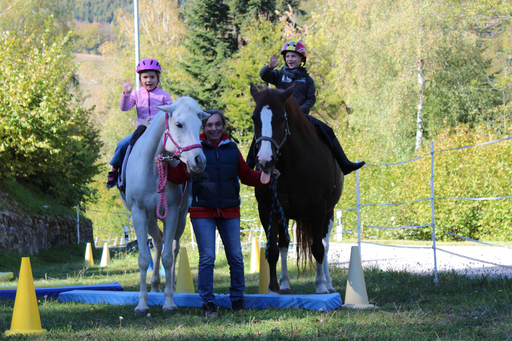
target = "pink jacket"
x: 145, y: 102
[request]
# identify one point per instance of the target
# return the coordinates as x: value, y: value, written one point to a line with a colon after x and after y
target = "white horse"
x: 174, y: 131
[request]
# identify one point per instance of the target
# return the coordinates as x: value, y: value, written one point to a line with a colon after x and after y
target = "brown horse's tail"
x: 303, y: 245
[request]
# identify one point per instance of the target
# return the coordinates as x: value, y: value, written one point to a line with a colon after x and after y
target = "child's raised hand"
x: 273, y: 61
x: 127, y: 86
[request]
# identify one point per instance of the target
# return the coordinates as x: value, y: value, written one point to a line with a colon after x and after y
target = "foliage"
x: 367, y: 55
x: 89, y: 37
x: 209, y: 43
x: 100, y: 11
x: 479, y: 172
x: 262, y: 37
x: 44, y: 136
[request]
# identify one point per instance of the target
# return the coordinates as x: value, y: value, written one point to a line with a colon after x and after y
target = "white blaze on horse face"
x: 265, y: 152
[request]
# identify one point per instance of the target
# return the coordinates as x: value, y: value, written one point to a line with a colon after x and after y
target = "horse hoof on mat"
x: 170, y: 311
x: 332, y: 291
x: 156, y: 290
x: 285, y: 291
x: 322, y: 293
x: 141, y: 312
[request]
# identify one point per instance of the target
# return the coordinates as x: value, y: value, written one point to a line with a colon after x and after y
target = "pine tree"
x: 210, y: 43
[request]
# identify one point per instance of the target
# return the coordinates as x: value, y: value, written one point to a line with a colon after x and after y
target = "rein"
x: 276, y: 208
x: 276, y: 205
x: 163, y: 166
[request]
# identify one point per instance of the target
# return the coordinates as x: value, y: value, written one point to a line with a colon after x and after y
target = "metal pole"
x: 339, y: 227
x: 77, y: 224
x: 432, y: 205
x: 137, y: 43
x: 358, y: 205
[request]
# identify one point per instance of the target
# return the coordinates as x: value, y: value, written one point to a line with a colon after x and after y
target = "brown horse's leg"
x: 284, y: 278
x: 273, y: 256
x: 318, y: 251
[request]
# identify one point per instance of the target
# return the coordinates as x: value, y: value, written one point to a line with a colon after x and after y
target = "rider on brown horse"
x: 293, y: 72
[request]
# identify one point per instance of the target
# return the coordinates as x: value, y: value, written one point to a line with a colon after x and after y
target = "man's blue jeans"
x: 117, y: 160
x: 229, y: 230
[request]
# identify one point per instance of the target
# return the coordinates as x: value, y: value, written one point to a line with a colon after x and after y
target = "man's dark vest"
x: 218, y: 185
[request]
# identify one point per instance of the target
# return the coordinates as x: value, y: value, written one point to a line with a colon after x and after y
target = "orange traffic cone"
x: 25, y: 317
x: 184, y: 283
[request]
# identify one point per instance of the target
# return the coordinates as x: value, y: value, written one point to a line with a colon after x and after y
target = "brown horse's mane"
x: 297, y: 121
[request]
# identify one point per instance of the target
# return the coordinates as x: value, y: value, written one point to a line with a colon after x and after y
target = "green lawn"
x: 410, y: 306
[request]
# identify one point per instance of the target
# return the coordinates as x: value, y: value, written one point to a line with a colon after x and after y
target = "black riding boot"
x: 345, y: 164
x: 251, y: 158
x: 328, y: 136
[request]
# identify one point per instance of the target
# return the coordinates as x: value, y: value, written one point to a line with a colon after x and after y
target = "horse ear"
x: 202, y: 115
x: 254, y: 91
x: 166, y: 108
x: 288, y: 92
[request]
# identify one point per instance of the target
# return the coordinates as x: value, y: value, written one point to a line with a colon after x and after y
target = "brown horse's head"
x: 271, y: 126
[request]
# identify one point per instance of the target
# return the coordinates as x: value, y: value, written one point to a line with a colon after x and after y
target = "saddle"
x: 121, y: 180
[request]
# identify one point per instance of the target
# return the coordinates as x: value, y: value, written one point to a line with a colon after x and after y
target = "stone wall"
x: 27, y: 234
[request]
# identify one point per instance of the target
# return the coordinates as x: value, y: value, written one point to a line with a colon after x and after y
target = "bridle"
x: 271, y: 140
x: 179, y: 149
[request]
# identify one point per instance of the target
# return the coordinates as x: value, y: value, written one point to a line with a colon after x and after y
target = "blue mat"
x: 10, y: 294
x: 309, y: 302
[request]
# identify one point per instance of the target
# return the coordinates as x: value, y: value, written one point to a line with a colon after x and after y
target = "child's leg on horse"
x: 329, y: 137
x: 117, y: 161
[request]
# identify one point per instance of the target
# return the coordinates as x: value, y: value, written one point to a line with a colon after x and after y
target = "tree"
x: 45, y: 137
x: 210, y: 42
x: 367, y: 54
x: 262, y: 38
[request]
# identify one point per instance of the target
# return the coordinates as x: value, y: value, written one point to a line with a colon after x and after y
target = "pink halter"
x: 179, y: 149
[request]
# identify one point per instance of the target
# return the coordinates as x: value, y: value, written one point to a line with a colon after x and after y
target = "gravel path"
x: 422, y: 260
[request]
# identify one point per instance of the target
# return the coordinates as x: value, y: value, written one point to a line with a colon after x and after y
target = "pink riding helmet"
x: 148, y: 64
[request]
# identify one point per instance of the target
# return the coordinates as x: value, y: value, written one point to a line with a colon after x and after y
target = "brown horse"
x: 309, y: 187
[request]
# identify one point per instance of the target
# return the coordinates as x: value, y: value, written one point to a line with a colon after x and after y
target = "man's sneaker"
x: 238, y: 306
x: 210, y: 310
x: 112, y: 178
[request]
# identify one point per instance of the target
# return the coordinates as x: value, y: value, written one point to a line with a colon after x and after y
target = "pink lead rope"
x: 162, y: 168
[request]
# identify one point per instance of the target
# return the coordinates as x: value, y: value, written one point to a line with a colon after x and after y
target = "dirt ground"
x: 470, y: 260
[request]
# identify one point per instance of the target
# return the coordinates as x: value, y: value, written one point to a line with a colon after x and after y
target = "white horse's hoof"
x: 155, y: 289
x: 332, y: 291
x: 173, y: 310
x: 286, y: 291
x: 322, y: 292
x: 141, y: 312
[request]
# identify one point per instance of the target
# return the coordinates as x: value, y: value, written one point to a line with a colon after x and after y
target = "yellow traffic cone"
x: 89, y: 261
x: 355, y: 295
x: 105, y: 256
x: 184, y: 283
x: 25, y: 316
x: 255, y: 256
x: 264, y: 273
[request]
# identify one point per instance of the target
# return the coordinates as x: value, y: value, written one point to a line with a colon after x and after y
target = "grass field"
x: 410, y: 307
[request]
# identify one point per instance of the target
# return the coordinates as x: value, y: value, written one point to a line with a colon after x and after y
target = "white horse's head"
x: 183, y: 125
